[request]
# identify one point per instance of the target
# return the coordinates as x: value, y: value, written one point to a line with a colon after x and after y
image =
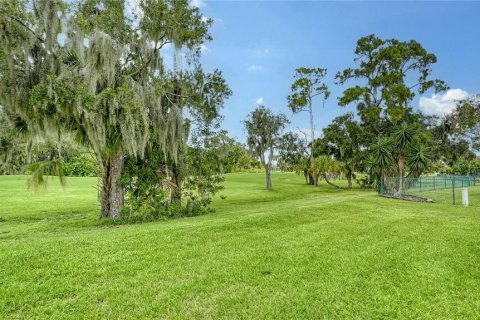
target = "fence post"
x: 420, y: 178
x: 453, y: 189
x: 433, y: 183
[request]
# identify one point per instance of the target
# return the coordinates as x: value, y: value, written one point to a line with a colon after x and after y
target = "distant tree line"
x: 386, y: 137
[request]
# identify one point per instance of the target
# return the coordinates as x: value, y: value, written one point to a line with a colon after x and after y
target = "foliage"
x: 12, y: 147
x: 325, y: 167
x: 406, y: 153
x: 385, y: 64
x: 143, y: 180
x: 90, y: 70
x: 450, y: 145
x: 390, y: 73
x: 437, y: 167
x: 41, y: 171
x: 308, y: 84
x: 342, y: 139
x: 204, y: 167
x: 466, y: 167
x: 291, y: 151
x: 83, y: 165
x: 466, y: 119
x: 148, y: 181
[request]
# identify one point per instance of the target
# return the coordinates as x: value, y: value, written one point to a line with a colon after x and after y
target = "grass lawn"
x: 295, y: 252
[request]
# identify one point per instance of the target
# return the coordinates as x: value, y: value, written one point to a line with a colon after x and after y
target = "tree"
x: 402, y: 139
x: 236, y: 155
x: 342, y: 139
x: 198, y: 96
x: 263, y: 132
x: 160, y: 185
x: 389, y: 73
x: 406, y: 154
x: 308, y: 84
x: 450, y: 144
x: 12, y: 145
x: 467, y: 167
x: 325, y: 167
x: 466, y: 120
x: 92, y: 71
x: 291, y: 150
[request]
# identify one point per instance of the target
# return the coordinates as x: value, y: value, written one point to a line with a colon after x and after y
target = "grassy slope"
x: 294, y: 252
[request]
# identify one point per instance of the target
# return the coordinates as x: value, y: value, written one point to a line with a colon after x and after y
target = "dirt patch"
x: 408, y: 198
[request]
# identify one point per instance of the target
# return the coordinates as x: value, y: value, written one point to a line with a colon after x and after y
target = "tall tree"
x: 264, y: 129
x: 308, y: 84
x: 389, y: 73
x: 90, y: 70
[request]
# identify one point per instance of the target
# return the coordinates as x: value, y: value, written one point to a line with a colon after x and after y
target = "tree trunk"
x: 177, y: 184
x: 329, y: 182
x: 305, y: 174
x: 400, y: 174
x: 311, y: 179
x: 349, y: 179
x: 112, y: 191
x: 315, y: 180
x: 268, y: 177
x: 312, y: 129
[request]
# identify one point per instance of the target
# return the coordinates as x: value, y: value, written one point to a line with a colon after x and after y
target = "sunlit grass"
x: 295, y: 252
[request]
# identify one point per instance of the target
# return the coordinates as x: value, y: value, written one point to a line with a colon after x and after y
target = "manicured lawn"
x: 295, y: 252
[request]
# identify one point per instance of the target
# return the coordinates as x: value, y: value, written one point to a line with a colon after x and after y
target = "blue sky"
x: 258, y: 45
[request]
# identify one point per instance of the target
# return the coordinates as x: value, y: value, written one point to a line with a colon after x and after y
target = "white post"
x: 465, y: 197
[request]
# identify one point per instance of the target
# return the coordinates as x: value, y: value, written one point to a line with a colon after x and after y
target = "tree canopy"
x: 389, y: 73
x: 94, y: 72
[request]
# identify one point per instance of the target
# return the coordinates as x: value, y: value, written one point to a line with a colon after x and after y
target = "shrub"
x: 82, y: 165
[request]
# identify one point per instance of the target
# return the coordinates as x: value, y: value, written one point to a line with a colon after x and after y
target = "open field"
x: 294, y: 252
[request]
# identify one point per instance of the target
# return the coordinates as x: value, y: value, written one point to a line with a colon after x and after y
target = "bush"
x: 82, y: 165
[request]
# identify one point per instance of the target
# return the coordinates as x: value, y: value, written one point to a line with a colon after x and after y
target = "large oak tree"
x: 91, y: 70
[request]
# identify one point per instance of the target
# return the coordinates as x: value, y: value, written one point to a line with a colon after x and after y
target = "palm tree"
x: 380, y: 162
x: 402, y: 139
x: 404, y: 155
x: 418, y: 158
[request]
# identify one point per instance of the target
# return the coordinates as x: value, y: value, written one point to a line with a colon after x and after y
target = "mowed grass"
x: 296, y: 252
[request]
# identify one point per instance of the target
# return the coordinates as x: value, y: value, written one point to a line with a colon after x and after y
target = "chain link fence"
x: 440, y: 189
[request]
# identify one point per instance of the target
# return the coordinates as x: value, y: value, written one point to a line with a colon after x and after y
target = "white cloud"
x: 259, y: 101
x: 442, y: 104
x: 197, y: 3
x: 254, y: 68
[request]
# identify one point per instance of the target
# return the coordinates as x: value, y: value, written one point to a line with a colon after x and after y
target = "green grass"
x: 295, y: 252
